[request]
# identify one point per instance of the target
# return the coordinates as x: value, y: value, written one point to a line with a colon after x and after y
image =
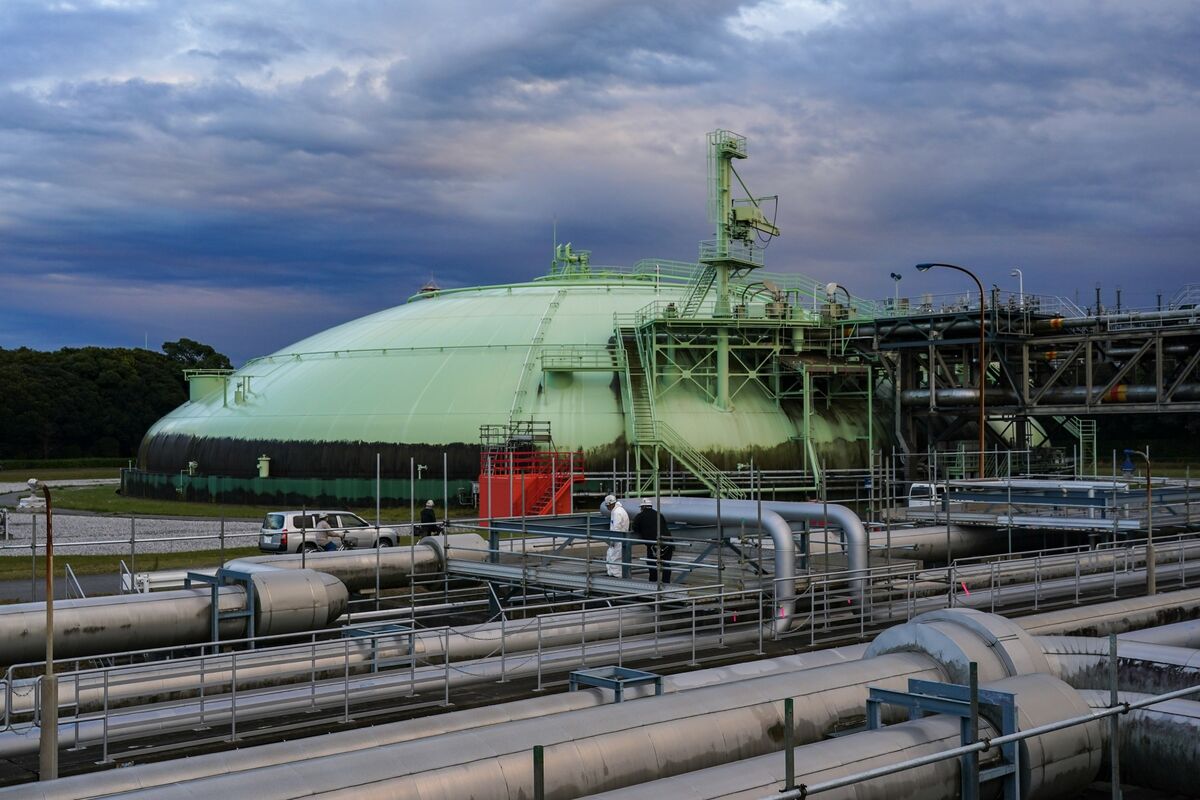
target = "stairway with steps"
x: 647, y: 431
x: 698, y: 290
x: 1084, y: 431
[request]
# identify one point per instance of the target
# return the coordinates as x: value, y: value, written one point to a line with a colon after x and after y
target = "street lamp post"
x: 1020, y: 276
x: 896, y: 276
x: 1151, y: 586
x: 48, y: 737
x: 982, y: 356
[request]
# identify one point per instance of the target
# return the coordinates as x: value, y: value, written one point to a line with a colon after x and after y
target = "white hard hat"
x: 429, y: 504
x: 646, y: 502
x: 611, y: 500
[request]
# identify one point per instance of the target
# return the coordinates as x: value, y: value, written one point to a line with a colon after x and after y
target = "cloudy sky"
x: 246, y: 173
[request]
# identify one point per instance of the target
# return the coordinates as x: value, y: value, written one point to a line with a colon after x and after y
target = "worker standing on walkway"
x: 618, y: 523
x: 651, y: 527
x: 428, y: 526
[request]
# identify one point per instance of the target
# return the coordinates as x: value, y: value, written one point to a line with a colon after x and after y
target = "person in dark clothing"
x: 428, y: 526
x: 651, y: 527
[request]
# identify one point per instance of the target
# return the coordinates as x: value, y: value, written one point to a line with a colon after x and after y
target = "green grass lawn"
x: 58, y: 474
x: 17, y: 567
x: 105, y: 500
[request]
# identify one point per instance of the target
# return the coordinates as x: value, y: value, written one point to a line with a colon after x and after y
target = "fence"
x: 352, y: 673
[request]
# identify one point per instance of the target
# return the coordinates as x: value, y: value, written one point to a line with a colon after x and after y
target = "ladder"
x: 520, y: 397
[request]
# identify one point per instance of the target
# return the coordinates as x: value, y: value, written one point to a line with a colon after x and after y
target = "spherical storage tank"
x: 419, y: 380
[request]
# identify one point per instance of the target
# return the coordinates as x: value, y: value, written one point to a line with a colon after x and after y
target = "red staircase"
x: 514, y: 483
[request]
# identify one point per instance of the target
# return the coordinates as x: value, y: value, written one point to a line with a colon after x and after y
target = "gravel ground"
x: 93, y: 534
x: 22, y: 486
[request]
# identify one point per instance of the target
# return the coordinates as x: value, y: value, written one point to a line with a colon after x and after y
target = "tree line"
x: 91, y: 401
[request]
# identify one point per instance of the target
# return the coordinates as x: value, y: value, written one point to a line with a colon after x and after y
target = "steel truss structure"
x: 1043, y: 371
x: 801, y: 364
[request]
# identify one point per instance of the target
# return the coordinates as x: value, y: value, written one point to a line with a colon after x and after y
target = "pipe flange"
x: 954, y: 637
x: 441, y: 542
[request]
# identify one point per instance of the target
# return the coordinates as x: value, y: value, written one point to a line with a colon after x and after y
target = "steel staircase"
x: 553, y: 494
x: 707, y: 472
x: 698, y: 290
x: 1084, y: 431
x: 646, y: 431
x: 641, y: 428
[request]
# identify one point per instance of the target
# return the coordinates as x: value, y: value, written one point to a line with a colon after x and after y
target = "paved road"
x: 8, y: 487
x: 26, y: 591
x: 97, y: 534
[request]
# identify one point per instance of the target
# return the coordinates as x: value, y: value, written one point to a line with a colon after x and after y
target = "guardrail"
x: 369, y: 672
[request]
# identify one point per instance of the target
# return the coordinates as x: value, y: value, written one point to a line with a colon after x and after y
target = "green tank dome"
x: 420, y: 379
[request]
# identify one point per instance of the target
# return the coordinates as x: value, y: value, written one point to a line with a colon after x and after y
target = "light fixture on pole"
x: 1020, y: 276
x: 896, y: 276
x: 982, y: 355
x: 1151, y: 585
x: 48, y: 741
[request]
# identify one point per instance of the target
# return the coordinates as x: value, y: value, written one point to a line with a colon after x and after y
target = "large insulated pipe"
x: 1067, y: 588
x: 1123, y: 393
x: 1084, y: 662
x: 270, y: 668
x: 282, y: 665
x: 1058, y: 764
x: 775, y: 517
x: 955, y: 638
x: 288, y: 602
x: 288, y: 599
x: 545, y: 707
x: 700, y: 511
x: 612, y: 746
x: 153, y: 683
x: 1046, y: 568
x: 1117, y: 616
x: 1175, y: 634
x: 1069, y: 323
x: 357, y: 568
x: 927, y: 543
x: 1157, y: 745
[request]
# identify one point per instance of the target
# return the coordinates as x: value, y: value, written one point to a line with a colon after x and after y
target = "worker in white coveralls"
x: 618, y: 523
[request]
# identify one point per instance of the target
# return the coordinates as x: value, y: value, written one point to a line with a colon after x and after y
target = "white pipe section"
x: 289, y: 599
x: 280, y: 754
x: 1083, y: 662
x: 1054, y: 765
x: 948, y: 637
x: 618, y: 745
x: 1158, y: 744
x: 775, y: 516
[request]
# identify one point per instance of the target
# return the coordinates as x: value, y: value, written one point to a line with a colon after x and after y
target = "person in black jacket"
x: 428, y: 526
x: 651, y: 527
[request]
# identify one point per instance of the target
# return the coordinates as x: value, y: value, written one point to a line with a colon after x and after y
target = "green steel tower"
x: 734, y: 249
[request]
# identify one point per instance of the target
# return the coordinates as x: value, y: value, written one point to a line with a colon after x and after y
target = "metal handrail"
x: 74, y: 590
x: 980, y: 746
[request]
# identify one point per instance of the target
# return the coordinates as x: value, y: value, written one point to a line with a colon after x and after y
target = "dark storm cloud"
x: 249, y: 174
x: 570, y: 55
